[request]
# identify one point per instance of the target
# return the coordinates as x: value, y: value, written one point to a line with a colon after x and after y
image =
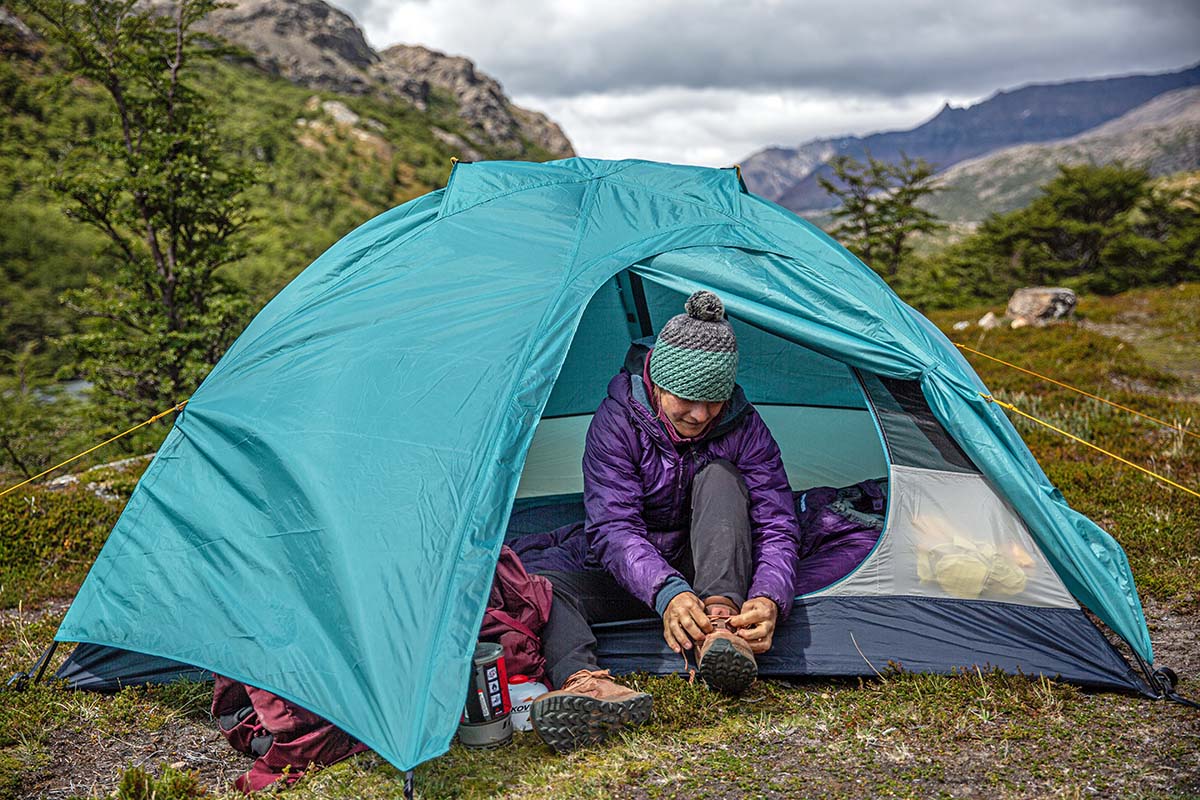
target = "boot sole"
x: 726, y: 669
x: 566, y: 722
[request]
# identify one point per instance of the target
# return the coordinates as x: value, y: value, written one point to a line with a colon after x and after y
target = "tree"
x: 1068, y: 233
x: 160, y: 188
x: 878, y: 212
x: 1093, y: 228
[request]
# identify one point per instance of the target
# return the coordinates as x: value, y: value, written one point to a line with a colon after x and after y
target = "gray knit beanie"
x: 695, y: 356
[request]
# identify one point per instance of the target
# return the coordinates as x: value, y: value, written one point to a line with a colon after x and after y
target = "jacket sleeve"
x: 773, y: 522
x: 613, y: 497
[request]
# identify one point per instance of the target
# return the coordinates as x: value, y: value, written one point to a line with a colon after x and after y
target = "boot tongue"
x: 719, y: 614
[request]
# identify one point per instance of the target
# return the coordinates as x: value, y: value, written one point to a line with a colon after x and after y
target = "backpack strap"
x: 509, y: 621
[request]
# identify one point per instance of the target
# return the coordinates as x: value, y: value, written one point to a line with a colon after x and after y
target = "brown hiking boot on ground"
x: 588, y: 708
x: 726, y: 661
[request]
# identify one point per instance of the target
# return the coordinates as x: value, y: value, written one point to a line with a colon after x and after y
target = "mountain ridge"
x: 1161, y: 136
x: 1033, y: 113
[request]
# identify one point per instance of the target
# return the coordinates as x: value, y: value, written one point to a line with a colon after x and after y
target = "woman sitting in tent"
x: 689, y: 513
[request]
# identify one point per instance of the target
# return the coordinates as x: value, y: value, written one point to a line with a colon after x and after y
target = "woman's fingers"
x: 760, y: 647
x: 759, y: 637
x: 701, y: 620
x: 692, y: 630
x: 669, y: 634
x: 752, y: 615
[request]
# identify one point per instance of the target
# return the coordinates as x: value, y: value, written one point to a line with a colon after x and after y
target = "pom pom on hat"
x: 695, y: 356
x: 705, y: 306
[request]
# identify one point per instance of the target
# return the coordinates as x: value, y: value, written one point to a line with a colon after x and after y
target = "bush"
x: 1101, y: 229
x: 48, y: 541
x: 137, y: 784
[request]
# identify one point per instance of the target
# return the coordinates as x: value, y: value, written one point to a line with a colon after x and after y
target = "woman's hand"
x: 756, y: 623
x: 685, y: 622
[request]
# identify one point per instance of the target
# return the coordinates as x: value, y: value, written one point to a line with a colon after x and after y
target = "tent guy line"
x: 175, y: 408
x: 1073, y: 437
x: 1172, y: 426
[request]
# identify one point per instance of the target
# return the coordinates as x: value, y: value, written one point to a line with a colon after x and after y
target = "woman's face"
x: 689, y: 417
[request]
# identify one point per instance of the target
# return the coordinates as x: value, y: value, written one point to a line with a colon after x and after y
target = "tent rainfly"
x: 324, y: 518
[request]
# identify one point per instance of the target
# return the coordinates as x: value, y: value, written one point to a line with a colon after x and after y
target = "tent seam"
x: 588, y: 179
x: 518, y: 376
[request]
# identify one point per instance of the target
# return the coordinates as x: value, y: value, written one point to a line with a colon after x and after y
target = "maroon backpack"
x: 517, y: 609
x: 277, y: 732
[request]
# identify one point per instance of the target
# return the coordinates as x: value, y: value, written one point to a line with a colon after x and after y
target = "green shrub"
x: 137, y: 784
x: 48, y: 541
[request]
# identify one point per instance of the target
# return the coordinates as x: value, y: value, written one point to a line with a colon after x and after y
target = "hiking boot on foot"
x: 588, y: 708
x: 726, y: 661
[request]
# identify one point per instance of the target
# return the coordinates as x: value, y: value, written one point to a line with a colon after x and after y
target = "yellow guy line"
x: 1127, y: 462
x: 155, y: 418
x: 1184, y: 431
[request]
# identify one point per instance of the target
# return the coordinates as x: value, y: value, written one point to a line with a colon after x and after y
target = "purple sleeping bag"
x: 838, y: 528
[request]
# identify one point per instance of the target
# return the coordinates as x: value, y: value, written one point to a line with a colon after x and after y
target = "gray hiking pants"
x: 719, y: 560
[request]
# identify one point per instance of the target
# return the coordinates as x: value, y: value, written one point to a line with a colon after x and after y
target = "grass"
x: 976, y: 734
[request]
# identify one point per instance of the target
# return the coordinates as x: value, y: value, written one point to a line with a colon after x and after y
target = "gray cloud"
x: 562, y: 49
x: 708, y: 81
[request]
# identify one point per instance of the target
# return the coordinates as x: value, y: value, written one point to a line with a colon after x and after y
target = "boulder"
x: 1039, y: 305
x: 340, y: 112
x: 14, y: 34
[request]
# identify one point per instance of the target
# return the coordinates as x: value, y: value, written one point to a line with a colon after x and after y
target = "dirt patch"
x: 1175, y: 636
x: 1159, y: 350
x: 89, y: 764
x: 27, y: 615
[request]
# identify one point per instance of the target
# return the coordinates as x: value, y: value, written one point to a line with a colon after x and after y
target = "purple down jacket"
x: 637, y: 490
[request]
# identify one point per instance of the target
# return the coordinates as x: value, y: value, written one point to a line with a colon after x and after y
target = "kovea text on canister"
x: 522, y: 691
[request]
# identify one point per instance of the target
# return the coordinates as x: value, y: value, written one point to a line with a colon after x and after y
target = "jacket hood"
x: 628, y: 389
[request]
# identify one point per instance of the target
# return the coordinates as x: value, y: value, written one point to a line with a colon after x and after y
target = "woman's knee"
x: 720, y: 476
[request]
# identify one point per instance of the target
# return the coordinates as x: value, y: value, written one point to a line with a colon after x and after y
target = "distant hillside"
x: 1036, y: 113
x: 1161, y: 136
x: 335, y: 132
x: 313, y: 44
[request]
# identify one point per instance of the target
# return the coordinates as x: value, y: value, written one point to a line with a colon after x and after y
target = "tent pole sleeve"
x: 633, y: 301
x: 639, y: 302
x: 45, y: 661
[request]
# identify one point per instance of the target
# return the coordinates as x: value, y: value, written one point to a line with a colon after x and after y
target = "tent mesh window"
x: 913, y: 435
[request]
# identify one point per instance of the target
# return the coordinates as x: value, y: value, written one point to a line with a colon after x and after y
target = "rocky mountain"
x: 772, y: 172
x: 306, y: 41
x: 1030, y: 114
x: 482, y: 103
x: 1161, y: 136
x: 314, y: 45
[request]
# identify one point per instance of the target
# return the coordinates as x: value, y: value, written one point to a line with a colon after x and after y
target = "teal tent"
x: 324, y: 518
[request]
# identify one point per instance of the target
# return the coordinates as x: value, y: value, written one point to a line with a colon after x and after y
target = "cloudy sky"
x: 709, y: 82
